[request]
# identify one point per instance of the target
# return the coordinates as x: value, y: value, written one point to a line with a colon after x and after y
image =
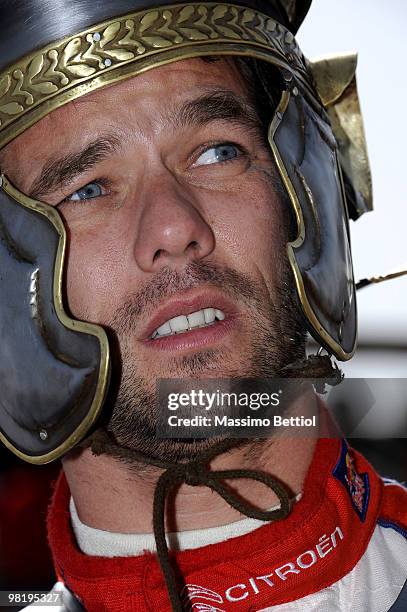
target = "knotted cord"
x: 197, y: 473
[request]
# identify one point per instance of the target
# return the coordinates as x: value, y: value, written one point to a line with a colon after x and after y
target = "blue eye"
x: 88, y: 192
x: 218, y: 153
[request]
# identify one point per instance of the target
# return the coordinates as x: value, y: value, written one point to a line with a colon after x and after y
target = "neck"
x: 110, y: 496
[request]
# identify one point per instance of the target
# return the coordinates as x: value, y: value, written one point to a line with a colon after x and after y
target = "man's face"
x: 168, y: 192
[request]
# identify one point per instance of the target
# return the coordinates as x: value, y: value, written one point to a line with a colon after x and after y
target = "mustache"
x: 168, y: 282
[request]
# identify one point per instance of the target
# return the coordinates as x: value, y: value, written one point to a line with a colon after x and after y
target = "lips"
x: 189, y: 304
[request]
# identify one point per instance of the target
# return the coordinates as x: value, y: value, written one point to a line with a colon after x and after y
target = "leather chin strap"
x: 196, y: 473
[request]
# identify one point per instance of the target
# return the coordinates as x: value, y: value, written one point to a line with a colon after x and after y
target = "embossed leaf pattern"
x: 194, y: 34
x: 110, y: 33
x: 129, y: 38
x: 186, y: 13
x: 168, y: 29
x: 45, y: 88
x: 71, y: 49
x: 222, y: 24
x: 120, y: 54
x: 148, y: 20
x: 81, y: 70
x: 35, y: 66
x: 11, y: 109
x: 158, y: 42
x: 34, y: 80
x: 52, y: 70
x: 219, y: 11
x: 258, y: 32
x: 186, y: 21
x: 5, y: 85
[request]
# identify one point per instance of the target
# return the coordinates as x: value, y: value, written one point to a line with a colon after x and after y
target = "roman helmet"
x: 54, y: 370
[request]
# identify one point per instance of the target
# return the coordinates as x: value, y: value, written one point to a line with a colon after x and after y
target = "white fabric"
x: 372, y: 586
x: 98, y: 543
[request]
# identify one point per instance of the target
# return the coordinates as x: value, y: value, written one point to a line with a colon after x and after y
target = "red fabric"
x: 247, y: 572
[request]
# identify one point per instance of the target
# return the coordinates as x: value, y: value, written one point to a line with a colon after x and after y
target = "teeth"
x: 182, y: 323
x: 179, y: 324
x: 164, y: 329
x: 196, y: 318
x: 209, y: 314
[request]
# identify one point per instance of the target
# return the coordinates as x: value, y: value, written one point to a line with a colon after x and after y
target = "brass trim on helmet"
x: 295, y: 244
x: 80, y: 326
x: 125, y: 46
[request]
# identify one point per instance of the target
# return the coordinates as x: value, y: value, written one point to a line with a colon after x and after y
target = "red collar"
x: 321, y: 540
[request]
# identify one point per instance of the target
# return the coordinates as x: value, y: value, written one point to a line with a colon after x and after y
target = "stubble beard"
x: 277, y: 339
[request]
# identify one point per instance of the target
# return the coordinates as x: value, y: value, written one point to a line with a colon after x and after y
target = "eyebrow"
x: 63, y: 170
x: 222, y: 104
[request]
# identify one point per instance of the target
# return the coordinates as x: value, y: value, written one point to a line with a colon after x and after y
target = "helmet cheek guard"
x: 323, y: 162
x: 306, y: 154
x: 54, y: 370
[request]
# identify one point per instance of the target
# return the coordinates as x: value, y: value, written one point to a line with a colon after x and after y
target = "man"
x: 170, y: 190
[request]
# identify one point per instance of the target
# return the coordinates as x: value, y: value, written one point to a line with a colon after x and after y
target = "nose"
x: 172, y: 230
